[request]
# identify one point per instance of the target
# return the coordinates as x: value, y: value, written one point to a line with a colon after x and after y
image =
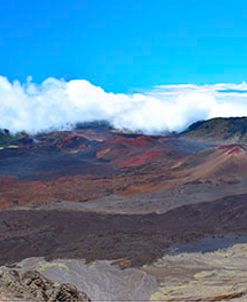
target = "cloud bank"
x: 57, y: 104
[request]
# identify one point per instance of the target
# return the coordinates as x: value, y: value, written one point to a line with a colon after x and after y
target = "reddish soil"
x: 140, y: 159
x: 85, y: 165
x: 89, y: 164
x: 232, y: 149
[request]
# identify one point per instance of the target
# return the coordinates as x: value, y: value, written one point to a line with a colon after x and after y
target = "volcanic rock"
x: 32, y: 286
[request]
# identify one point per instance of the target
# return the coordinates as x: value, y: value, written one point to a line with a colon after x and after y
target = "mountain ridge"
x: 230, y: 130
x: 220, y: 129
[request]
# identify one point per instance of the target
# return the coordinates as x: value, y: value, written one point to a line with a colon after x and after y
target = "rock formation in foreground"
x: 32, y: 286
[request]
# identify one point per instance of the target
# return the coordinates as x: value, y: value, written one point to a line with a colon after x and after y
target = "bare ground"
x: 138, y: 238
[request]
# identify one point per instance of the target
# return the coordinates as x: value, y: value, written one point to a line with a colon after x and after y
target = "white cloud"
x: 56, y: 104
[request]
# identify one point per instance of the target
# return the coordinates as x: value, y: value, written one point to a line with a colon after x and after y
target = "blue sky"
x: 125, y: 45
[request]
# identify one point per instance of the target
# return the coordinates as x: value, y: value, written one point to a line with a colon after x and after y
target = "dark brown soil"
x: 139, y: 238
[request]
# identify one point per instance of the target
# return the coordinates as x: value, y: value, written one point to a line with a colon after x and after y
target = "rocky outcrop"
x: 102, y: 280
x: 32, y: 286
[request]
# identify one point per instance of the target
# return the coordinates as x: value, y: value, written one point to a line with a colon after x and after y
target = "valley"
x: 122, y: 202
